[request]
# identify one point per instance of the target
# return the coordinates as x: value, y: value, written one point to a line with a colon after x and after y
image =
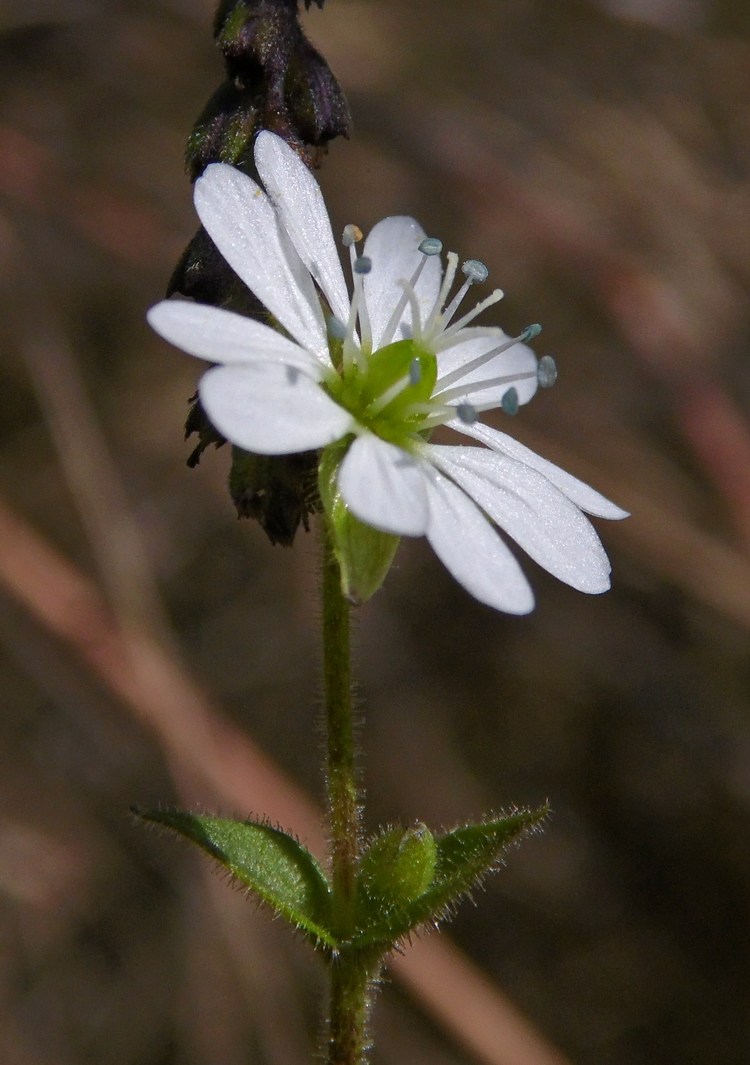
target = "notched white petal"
x: 578, y: 492
x: 225, y: 337
x: 531, y: 510
x: 271, y: 409
x: 471, y: 550
x: 384, y: 487
x: 244, y: 226
x: 393, y: 248
x: 297, y: 197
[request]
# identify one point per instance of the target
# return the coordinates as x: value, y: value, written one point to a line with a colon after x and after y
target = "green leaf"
x: 271, y: 863
x: 460, y: 861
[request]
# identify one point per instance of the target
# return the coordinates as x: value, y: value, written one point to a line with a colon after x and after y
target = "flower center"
x: 387, y: 391
x: 394, y: 391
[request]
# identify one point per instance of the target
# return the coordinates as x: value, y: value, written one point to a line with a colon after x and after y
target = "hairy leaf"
x: 462, y: 858
x: 270, y: 863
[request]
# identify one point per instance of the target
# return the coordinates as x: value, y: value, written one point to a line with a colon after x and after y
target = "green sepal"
x: 456, y: 862
x: 273, y: 865
x: 364, y: 554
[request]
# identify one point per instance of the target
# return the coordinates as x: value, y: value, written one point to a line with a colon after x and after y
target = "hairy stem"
x: 350, y: 973
x: 351, y: 979
x: 343, y: 797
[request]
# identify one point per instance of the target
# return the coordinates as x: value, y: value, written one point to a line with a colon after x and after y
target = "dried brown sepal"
x: 275, y: 80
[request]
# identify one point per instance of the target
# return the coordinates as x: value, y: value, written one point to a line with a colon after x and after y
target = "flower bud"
x: 399, y: 866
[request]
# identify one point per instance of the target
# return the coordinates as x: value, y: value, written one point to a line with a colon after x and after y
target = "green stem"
x: 343, y: 797
x: 350, y: 972
x: 350, y: 1006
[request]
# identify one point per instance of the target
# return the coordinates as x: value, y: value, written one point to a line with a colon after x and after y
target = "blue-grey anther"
x: 352, y: 235
x: 475, y: 271
x: 431, y: 246
x: 530, y: 333
x: 466, y: 413
x: 336, y: 328
x: 362, y: 265
x: 509, y: 402
x: 546, y: 371
x: 415, y: 372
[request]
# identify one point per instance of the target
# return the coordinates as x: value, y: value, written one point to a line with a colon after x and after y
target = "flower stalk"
x: 350, y: 970
x: 341, y: 776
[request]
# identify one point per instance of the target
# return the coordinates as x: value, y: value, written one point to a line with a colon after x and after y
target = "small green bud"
x: 399, y: 866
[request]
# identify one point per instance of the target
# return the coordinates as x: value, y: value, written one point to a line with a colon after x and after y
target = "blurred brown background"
x: 597, y: 156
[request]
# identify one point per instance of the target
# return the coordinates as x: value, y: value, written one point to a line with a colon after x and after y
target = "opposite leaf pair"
x: 407, y: 878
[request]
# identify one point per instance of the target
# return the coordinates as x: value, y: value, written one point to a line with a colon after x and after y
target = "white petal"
x: 577, y: 491
x: 243, y: 225
x: 471, y: 550
x: 518, y: 363
x: 271, y: 409
x: 223, y: 336
x: 297, y: 197
x: 393, y: 247
x: 384, y: 487
x: 528, y: 507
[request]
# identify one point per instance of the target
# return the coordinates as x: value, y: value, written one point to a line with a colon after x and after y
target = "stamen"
x: 546, y: 372
x: 351, y: 350
x: 454, y: 304
x: 447, y: 394
x: 467, y: 413
x: 450, y: 275
x: 352, y: 235
x: 475, y: 271
x: 509, y: 402
x: 429, y: 246
x: 416, y: 318
x: 474, y: 364
x: 353, y: 256
x: 361, y: 266
x: 336, y: 328
x: 488, y: 301
x: 415, y: 371
x: 436, y: 414
x: 439, y: 415
x: 389, y: 395
x: 420, y: 408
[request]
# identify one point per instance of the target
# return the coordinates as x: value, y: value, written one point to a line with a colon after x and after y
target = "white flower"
x: 379, y: 370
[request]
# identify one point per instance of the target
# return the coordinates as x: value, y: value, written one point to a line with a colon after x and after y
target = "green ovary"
x: 358, y: 390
